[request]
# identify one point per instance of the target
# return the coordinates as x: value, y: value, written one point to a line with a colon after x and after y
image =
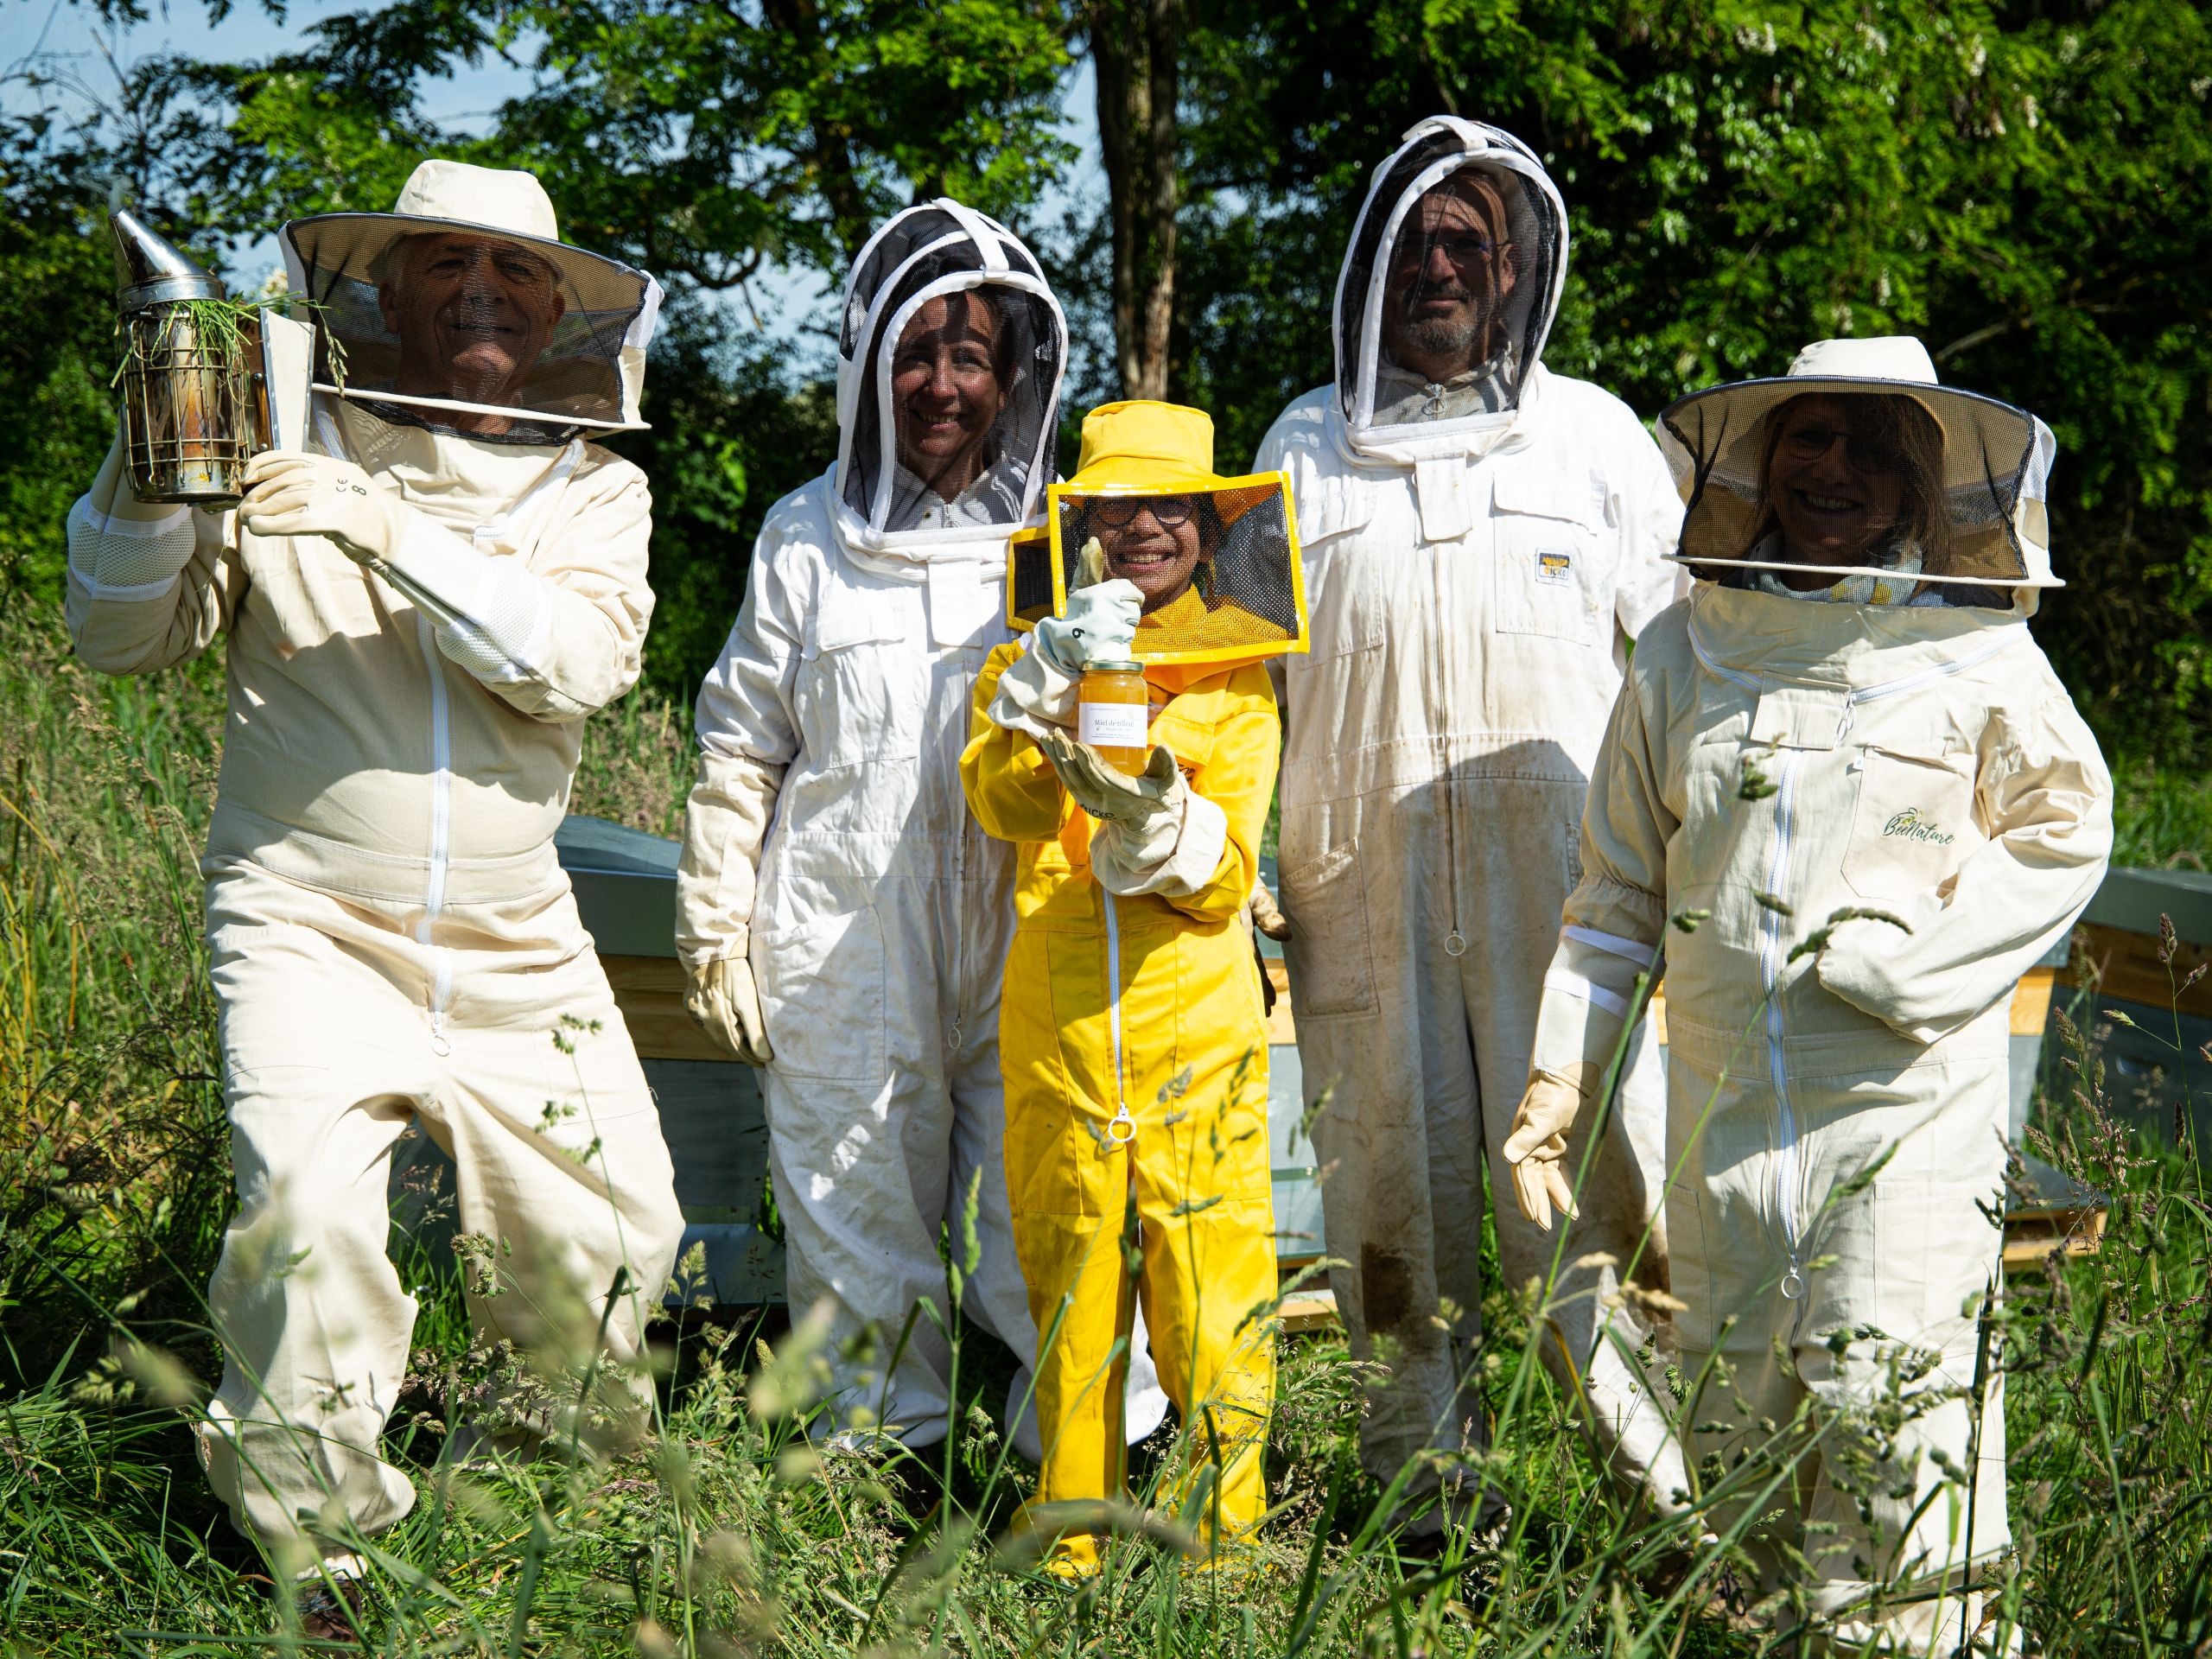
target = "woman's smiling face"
x: 946, y: 390
x: 1833, y: 492
x: 1155, y: 546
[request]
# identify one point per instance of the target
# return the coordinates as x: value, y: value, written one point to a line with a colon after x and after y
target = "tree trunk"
x: 799, y: 22
x: 1135, y: 50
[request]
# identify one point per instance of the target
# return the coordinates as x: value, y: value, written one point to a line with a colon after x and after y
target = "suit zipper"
x: 1122, y: 1122
x: 1772, y: 954
x: 434, y: 900
x: 1771, y: 959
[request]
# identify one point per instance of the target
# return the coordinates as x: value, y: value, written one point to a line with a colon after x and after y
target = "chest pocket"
x: 1547, y: 525
x: 861, y: 676
x: 1187, y: 732
x: 1341, y: 586
x: 1914, y: 824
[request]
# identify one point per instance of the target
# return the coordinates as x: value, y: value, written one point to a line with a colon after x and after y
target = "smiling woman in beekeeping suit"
x: 844, y: 920
x: 1870, y: 546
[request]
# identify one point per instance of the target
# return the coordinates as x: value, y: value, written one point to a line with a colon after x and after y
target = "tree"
x: 2016, y: 182
x: 1135, y: 51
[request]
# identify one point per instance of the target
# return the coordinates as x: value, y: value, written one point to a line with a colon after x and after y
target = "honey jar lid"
x: 1112, y: 666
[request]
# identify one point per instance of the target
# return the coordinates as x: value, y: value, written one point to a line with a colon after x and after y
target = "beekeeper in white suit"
x: 844, y: 920
x: 421, y: 608
x: 1483, y: 538
x: 1871, y: 545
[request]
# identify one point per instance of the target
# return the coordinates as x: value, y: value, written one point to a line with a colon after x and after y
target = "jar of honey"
x: 1114, y: 713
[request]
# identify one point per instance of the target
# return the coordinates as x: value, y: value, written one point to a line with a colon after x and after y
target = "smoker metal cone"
x: 150, y: 269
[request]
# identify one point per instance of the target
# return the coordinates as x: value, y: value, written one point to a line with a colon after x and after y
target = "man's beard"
x: 1459, y: 337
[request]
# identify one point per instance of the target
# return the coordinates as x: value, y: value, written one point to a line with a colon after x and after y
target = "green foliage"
x: 54, y: 362
x: 2018, y: 186
x: 2015, y: 184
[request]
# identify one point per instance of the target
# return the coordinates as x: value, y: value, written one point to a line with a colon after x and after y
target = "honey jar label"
x: 1112, y: 725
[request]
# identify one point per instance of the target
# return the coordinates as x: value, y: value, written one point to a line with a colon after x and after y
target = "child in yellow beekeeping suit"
x: 1131, y: 1030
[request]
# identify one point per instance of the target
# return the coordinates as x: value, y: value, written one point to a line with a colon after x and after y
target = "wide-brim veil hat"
x: 1997, y: 461
x: 591, y: 374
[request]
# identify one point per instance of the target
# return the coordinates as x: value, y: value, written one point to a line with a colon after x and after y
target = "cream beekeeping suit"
x: 1908, y: 751
x: 1482, y: 540
x: 828, y: 845
x: 391, y: 938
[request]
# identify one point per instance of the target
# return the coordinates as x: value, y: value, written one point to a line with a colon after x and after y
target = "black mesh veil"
x: 924, y: 455
x: 1963, y: 504
x: 424, y: 320
x: 1494, y: 238
x: 1245, y: 597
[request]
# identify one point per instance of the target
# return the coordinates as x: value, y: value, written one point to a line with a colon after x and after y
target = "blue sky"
x: 68, y: 42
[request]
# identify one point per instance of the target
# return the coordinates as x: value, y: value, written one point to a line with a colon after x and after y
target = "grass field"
x: 722, y: 1532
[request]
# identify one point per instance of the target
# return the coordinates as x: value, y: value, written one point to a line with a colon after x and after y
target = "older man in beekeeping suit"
x: 1483, y: 538
x: 422, y: 605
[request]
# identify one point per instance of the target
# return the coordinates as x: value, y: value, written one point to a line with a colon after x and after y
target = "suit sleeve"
x: 560, y: 634
x: 1651, y: 528
x: 747, y: 726
x: 150, y: 585
x: 2047, y: 799
x: 1011, y: 787
x: 1614, y: 921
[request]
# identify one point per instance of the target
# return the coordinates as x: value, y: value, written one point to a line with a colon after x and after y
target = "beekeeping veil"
x: 1970, y: 476
x: 892, y: 475
x: 1233, y: 592
x: 463, y: 300
x: 1458, y: 258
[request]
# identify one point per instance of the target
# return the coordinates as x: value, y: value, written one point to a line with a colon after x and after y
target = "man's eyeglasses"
x: 1463, y: 248
x: 1118, y: 512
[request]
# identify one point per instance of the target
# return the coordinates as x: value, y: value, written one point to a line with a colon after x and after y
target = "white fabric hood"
x: 941, y: 250
x: 1391, y: 411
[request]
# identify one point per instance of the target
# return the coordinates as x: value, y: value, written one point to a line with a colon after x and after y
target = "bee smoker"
x: 190, y: 408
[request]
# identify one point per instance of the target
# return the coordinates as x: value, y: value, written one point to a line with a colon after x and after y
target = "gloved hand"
x: 1537, y: 1145
x: 1267, y: 915
x: 291, y: 492
x: 1037, y: 693
x: 725, y: 1002
x: 1139, y: 806
x: 1101, y: 624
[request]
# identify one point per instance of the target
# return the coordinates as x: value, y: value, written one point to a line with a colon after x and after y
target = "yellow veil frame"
x: 1045, y: 543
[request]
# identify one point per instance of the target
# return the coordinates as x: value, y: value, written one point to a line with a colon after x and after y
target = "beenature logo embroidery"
x: 1915, y: 825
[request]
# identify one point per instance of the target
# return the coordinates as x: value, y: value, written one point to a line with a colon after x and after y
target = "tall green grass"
x: 722, y: 1531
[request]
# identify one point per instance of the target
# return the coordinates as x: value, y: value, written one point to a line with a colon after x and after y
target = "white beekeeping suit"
x: 1870, y: 546
x: 1481, y: 539
x: 420, y: 609
x: 829, y: 860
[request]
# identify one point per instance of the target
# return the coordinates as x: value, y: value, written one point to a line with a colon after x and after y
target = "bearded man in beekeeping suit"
x: 421, y: 608
x: 1482, y: 538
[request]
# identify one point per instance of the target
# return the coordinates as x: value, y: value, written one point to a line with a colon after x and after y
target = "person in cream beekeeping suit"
x: 1483, y: 538
x: 1870, y: 546
x: 422, y: 607
x: 844, y: 920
